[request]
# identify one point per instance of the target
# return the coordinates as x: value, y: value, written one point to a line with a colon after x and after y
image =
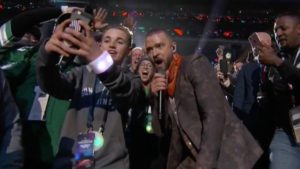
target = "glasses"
x: 146, y: 65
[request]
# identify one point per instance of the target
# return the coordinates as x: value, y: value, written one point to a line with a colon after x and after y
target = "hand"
x: 220, y: 76
x: 224, y: 81
x: 158, y: 83
x: 84, y: 164
x: 268, y: 55
x: 55, y: 43
x: 220, y: 52
x: 86, y: 46
x: 99, y: 19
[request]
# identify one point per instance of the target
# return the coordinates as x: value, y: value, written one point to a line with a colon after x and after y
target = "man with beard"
x: 283, y: 88
x: 203, y: 131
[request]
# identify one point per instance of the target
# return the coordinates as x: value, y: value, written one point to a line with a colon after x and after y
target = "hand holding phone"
x: 75, y: 16
x: 224, y: 67
x: 79, y: 15
x: 220, y: 52
x: 258, y: 39
x: 261, y: 44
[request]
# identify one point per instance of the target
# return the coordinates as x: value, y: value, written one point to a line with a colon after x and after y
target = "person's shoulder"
x: 198, y: 57
x: 193, y: 62
x: 194, y: 59
x: 7, y: 39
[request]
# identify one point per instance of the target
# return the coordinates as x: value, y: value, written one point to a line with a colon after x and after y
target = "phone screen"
x: 79, y: 15
x: 75, y: 25
x: 224, y: 66
x: 254, y: 40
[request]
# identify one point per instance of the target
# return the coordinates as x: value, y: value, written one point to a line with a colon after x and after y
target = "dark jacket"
x: 247, y: 87
x: 214, y: 135
x: 280, y: 98
x: 11, y: 151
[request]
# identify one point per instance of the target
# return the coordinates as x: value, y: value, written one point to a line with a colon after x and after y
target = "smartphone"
x: 224, y: 67
x: 75, y: 17
x: 79, y: 15
x: 258, y: 39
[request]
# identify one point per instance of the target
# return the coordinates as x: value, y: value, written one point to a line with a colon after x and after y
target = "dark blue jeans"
x: 284, y: 152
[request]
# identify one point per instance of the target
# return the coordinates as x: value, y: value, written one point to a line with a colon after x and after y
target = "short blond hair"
x: 122, y: 28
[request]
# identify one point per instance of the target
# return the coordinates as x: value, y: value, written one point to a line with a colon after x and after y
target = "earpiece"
x: 174, y: 48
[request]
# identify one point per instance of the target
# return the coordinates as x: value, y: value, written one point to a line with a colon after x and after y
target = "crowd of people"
x: 236, y: 23
x: 70, y: 100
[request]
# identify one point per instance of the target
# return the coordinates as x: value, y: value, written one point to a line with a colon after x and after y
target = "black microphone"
x: 161, y: 98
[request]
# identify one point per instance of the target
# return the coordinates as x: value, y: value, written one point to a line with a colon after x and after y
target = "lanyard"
x: 92, y: 109
x: 297, y: 56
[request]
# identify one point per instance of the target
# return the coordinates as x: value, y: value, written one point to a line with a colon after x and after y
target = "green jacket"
x: 18, y: 64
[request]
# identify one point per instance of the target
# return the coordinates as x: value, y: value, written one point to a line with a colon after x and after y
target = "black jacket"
x: 11, y: 151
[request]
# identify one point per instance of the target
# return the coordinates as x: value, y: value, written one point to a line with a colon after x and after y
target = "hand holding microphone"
x: 159, y: 82
x: 158, y: 88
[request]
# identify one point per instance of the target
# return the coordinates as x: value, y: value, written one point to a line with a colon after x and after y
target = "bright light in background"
x: 178, y: 31
x: 216, y: 10
x: 124, y: 13
x: 141, y: 28
x: 228, y: 34
x: 139, y: 37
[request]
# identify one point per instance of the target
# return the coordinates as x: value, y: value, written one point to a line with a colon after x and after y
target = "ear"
x: 174, y: 47
x: 298, y: 29
x: 128, y: 52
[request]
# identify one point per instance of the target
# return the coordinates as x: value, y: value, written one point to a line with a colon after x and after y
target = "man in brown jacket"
x: 205, y: 134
